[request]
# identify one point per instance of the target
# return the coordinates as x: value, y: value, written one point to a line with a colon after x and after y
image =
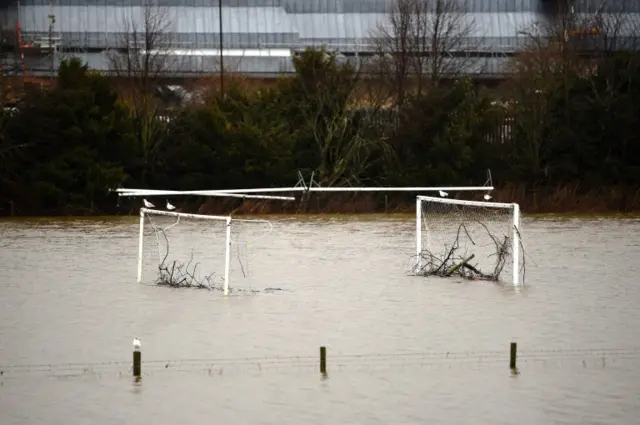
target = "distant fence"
x: 327, y: 363
x: 379, y: 119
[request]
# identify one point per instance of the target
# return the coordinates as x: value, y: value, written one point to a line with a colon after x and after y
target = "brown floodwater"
x: 401, y: 349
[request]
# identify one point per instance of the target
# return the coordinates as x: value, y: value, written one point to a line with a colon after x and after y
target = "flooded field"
x: 401, y: 349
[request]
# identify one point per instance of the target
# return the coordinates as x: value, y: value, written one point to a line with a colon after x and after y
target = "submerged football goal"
x: 471, y: 239
x: 195, y: 250
x: 476, y: 240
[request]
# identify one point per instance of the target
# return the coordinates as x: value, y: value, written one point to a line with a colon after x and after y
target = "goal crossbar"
x: 515, y: 223
x: 468, y: 203
x: 185, y: 215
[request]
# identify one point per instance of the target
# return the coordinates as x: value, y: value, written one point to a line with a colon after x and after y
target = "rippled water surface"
x: 401, y: 349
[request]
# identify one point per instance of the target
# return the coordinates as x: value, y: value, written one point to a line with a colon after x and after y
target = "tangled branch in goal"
x: 178, y: 274
x: 457, y: 258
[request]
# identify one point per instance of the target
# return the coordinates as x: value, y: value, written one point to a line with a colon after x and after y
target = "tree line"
x: 565, y: 114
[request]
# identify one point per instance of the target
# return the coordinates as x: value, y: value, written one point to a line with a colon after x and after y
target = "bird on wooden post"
x: 137, y: 358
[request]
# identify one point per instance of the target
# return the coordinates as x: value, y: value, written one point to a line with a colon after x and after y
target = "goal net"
x: 474, y: 240
x: 196, y: 250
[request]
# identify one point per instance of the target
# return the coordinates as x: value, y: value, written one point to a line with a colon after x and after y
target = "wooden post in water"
x: 137, y: 358
x: 323, y: 360
x: 513, y: 356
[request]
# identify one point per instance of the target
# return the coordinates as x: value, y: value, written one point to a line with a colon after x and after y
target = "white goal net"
x: 474, y: 240
x: 196, y: 250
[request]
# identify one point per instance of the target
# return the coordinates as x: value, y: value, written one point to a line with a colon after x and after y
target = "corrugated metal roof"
x: 180, y: 19
x: 361, y: 6
x: 198, y: 22
x: 365, y: 26
x: 264, y: 27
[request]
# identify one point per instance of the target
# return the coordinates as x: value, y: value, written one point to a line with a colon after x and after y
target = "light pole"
x: 221, y: 44
x: 52, y: 20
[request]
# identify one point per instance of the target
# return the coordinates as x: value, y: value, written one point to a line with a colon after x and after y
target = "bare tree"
x: 538, y: 74
x: 340, y: 144
x: 446, y: 35
x: 394, y: 49
x: 328, y: 93
x: 143, y: 57
x: 563, y: 46
x: 424, y: 41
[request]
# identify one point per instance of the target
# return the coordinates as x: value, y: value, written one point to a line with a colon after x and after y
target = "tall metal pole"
x: 221, y: 44
x: 51, y: 21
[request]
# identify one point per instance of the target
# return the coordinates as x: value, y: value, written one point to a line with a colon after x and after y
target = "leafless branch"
x: 142, y: 58
x: 145, y: 46
x: 452, y: 261
x: 178, y: 274
x: 344, y: 150
x: 422, y: 42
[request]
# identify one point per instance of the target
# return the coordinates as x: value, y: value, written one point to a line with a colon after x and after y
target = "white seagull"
x: 487, y: 196
x: 169, y: 206
x: 136, y: 343
x: 148, y: 204
x: 443, y: 194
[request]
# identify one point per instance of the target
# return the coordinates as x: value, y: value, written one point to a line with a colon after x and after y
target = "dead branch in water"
x: 454, y: 261
x: 177, y: 274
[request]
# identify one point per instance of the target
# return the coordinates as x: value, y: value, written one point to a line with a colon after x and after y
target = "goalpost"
x: 211, y: 259
x: 225, y: 223
x: 475, y: 240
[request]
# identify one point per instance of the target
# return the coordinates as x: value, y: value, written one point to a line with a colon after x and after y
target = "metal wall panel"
x: 344, y: 25
x: 181, y: 19
x: 207, y: 65
x: 362, y: 6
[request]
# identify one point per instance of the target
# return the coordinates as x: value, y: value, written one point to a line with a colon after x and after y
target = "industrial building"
x: 259, y: 37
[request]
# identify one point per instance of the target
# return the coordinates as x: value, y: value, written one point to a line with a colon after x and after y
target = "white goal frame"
x: 515, y: 216
x: 226, y: 219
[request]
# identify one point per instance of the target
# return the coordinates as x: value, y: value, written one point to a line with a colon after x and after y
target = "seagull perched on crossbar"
x: 443, y: 193
x: 169, y: 206
x: 148, y: 204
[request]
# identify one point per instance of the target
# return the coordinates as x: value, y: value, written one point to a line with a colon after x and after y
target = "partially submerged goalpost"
x: 178, y: 215
x: 184, y: 273
x: 472, y: 239
x: 468, y: 233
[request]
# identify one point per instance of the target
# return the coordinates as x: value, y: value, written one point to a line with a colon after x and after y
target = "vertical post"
x: 52, y: 19
x: 516, y: 244
x: 418, y: 234
x: 323, y: 360
x: 221, y: 47
x: 227, y: 256
x: 140, y: 245
x: 513, y: 355
x: 137, y: 358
